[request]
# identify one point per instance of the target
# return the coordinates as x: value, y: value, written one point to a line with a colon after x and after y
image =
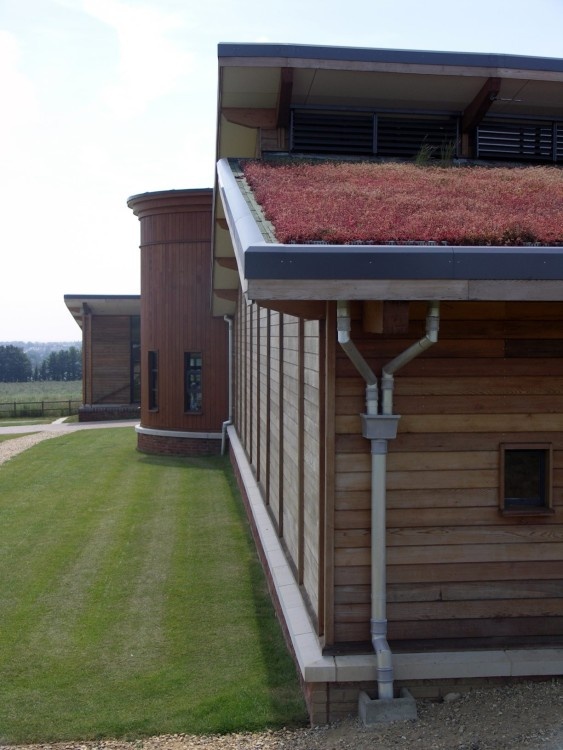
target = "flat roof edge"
x: 346, y: 262
x: 110, y: 297
x: 261, y: 260
x: 404, y: 56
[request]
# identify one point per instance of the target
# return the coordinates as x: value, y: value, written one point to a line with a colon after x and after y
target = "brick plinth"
x: 162, y: 445
x: 107, y: 413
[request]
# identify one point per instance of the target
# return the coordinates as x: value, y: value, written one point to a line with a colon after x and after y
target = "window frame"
x: 152, y: 380
x: 135, y: 359
x: 544, y: 509
x: 188, y: 369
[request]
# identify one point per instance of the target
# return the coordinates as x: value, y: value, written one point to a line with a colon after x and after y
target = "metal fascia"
x: 391, y: 56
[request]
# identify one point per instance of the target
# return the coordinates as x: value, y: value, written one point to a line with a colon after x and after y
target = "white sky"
x: 103, y: 99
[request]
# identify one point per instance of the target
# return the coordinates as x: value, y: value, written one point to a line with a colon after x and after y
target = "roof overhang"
x: 102, y: 304
x: 259, y: 83
x: 270, y: 271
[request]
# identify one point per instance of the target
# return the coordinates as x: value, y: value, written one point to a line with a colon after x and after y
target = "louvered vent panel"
x: 332, y: 133
x: 559, y: 142
x: 405, y: 136
x: 515, y: 140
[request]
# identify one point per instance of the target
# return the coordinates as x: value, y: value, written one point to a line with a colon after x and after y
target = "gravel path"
x: 522, y: 716
x: 11, y: 448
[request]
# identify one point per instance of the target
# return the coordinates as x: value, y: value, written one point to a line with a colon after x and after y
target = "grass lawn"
x: 131, y: 598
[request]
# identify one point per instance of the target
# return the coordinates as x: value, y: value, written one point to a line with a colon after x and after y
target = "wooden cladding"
x: 108, y: 345
x: 277, y: 415
x: 459, y: 572
x: 175, y: 310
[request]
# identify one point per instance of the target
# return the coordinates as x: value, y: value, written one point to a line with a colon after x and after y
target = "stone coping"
x: 178, y: 433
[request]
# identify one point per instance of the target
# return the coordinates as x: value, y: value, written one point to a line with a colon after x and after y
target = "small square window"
x: 525, y: 482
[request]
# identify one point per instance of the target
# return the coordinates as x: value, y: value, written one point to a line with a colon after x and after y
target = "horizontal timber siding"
x: 111, y: 359
x: 459, y: 573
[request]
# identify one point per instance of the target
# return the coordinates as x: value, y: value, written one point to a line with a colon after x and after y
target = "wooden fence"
x: 18, y: 409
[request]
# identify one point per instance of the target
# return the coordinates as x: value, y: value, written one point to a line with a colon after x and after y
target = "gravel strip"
x: 11, y: 448
x: 521, y: 716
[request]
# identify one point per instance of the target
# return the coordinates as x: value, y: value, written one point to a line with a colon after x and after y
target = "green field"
x: 41, y: 391
x: 49, y: 399
x: 132, y: 599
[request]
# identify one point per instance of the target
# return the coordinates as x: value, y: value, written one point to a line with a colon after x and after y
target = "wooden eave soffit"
x: 229, y: 294
x: 478, y: 108
x: 251, y: 118
x: 230, y: 263
x: 266, y: 118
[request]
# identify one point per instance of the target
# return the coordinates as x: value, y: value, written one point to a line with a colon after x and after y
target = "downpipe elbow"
x: 384, y: 658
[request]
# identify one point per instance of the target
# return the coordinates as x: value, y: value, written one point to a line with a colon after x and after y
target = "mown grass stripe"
x: 131, y: 598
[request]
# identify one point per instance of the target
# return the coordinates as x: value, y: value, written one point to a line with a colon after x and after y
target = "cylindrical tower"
x: 183, y: 348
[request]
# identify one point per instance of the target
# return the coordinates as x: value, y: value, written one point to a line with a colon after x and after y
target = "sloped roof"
x: 102, y: 304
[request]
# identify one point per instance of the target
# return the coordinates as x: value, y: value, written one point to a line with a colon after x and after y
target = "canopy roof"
x: 102, y: 304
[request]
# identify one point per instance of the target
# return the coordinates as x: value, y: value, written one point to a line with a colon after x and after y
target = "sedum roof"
x: 398, y: 203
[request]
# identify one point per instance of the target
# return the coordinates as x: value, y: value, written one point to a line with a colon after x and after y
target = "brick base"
x: 109, y: 412
x: 161, y: 445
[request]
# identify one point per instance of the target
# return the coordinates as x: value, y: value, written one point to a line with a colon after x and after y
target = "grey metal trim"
x: 414, y: 57
x: 309, y: 262
x: 258, y: 259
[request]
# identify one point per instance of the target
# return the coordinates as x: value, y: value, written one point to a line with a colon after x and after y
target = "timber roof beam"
x: 284, y: 99
x: 480, y: 105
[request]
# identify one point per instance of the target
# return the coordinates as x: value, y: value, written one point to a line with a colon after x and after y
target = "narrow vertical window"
x: 153, y: 380
x: 525, y: 479
x: 135, y: 359
x: 192, y: 382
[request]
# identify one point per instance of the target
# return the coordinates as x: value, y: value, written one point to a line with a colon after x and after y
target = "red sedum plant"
x: 369, y: 203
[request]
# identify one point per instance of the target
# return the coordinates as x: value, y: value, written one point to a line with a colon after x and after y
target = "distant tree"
x: 15, y: 366
x: 74, y: 363
x: 66, y: 364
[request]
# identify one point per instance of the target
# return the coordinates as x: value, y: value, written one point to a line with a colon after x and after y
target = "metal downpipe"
x: 378, y: 621
x: 228, y: 422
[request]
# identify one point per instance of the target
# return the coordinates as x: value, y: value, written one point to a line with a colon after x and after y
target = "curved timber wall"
x: 176, y: 320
